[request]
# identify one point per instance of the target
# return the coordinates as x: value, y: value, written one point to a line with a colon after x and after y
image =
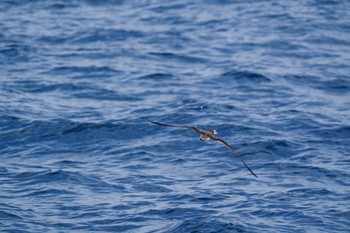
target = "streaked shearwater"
x: 205, y: 135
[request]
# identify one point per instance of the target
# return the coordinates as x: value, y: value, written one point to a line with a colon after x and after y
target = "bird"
x: 205, y: 135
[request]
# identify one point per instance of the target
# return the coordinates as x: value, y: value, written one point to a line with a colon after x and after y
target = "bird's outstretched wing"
x: 234, y: 152
x: 174, y: 125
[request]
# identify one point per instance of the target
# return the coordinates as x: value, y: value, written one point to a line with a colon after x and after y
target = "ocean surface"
x: 78, y: 79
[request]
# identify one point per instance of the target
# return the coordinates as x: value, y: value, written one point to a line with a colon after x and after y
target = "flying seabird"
x: 205, y: 135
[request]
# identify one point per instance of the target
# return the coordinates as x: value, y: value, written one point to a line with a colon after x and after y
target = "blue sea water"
x: 78, y: 79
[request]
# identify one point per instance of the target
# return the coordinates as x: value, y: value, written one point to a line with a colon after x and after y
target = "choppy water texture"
x: 78, y: 79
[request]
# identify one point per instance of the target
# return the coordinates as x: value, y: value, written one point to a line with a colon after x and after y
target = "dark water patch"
x: 177, y: 57
x: 197, y: 106
x: 207, y: 225
x: 10, y: 51
x: 244, y: 77
x: 31, y: 132
x: 5, y: 215
x: 309, y: 192
x: 97, y: 35
x: 333, y: 133
x: 132, y: 205
x: 57, y: 6
x: 48, y: 193
x: 103, y: 94
x: 19, y: 131
x: 327, y: 40
x: 3, y: 171
x: 174, y: 213
x: 151, y: 188
x: 93, y: 55
x: 136, y: 155
x: 63, y: 177
x: 19, y: 3
x: 105, y: 226
x: 88, y: 70
x: 305, y: 220
x: 54, y: 40
x: 305, y: 120
x: 283, y: 16
x: 15, y: 53
x: 68, y: 163
x: 80, y: 90
x: 157, y: 77
x: 55, y: 134
x: 43, y: 88
x: 208, y: 198
x: 275, y: 144
x: 167, y: 19
x: 283, y: 45
x: 6, y: 4
x: 308, y: 171
x: 302, y: 79
x: 272, y: 147
x: 162, y: 8
x: 339, y: 85
x: 15, y: 228
x: 119, y: 130
x: 38, y: 86
x: 104, y: 3
x: 9, y: 122
x: 326, y: 3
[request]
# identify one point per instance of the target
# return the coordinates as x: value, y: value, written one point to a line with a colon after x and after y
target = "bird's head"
x: 213, y: 131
